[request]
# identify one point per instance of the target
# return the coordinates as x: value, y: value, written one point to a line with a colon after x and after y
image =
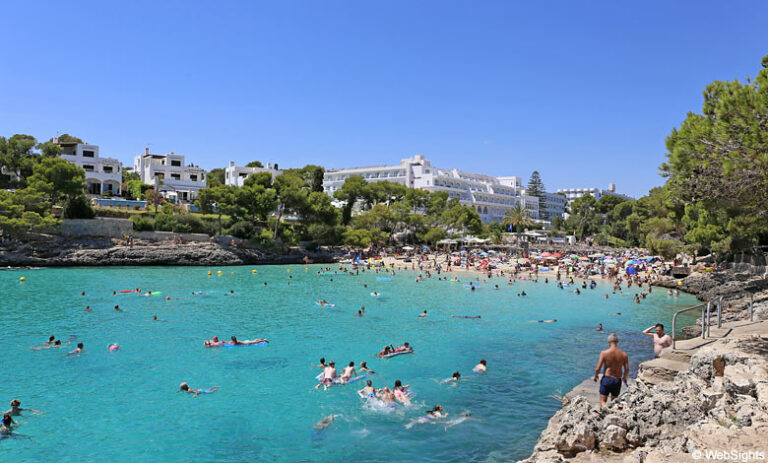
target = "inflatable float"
x: 383, y: 279
x: 394, y: 354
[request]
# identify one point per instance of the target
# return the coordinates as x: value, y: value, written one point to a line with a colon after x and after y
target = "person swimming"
x: 77, y: 351
x: 329, y: 375
x: 431, y: 415
x: 324, y: 423
x: 184, y: 387
x: 16, y: 409
x: 599, y: 327
x: 117, y: 308
x: 237, y: 342
x: 401, y: 393
x: 423, y: 314
x: 385, y: 351
x: 454, y: 378
x: 348, y: 371
x: 364, y: 367
x: 542, y: 321
x: 480, y: 367
x: 368, y: 391
x: 213, y: 342
x: 7, y: 424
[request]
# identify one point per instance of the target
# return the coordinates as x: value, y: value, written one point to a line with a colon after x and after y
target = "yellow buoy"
x: 22, y: 279
x: 209, y: 272
x: 306, y: 269
x: 219, y: 272
x: 288, y: 270
x: 254, y: 271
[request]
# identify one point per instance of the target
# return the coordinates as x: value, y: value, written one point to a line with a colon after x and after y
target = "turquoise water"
x: 122, y: 406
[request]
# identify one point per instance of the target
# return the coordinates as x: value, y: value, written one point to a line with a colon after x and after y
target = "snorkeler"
x: 184, y: 387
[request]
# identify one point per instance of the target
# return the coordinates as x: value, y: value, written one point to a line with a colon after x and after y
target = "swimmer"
x: 322, y: 363
x: 606, y: 296
x: 385, y: 351
x: 117, y: 308
x: 51, y: 339
x: 481, y: 367
x: 324, y: 423
x: 375, y: 294
x: 155, y: 319
x: 113, y: 347
x: 359, y: 313
x: 542, y: 321
x: 404, y: 348
x: 466, y: 416
x: 348, y: 371
x: 82, y: 293
x: 364, y: 367
x: 168, y: 298
x: 213, y: 342
x: 368, y: 391
x: 386, y: 395
x: 88, y: 308
x: 77, y: 351
x: 197, y: 293
x: 456, y: 376
x: 401, y: 393
x: 230, y: 293
x: 237, y: 342
x: 7, y: 424
x: 599, y: 327
x: 16, y: 409
x: 434, y: 414
x: 184, y: 387
x: 329, y: 374
x: 423, y: 314
x: 615, y: 314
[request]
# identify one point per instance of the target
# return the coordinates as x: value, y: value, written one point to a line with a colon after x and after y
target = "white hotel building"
x: 490, y: 196
x: 102, y: 175
x: 573, y: 193
x: 236, y: 175
x: 178, y: 182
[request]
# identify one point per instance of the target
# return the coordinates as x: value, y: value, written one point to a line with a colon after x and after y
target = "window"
x: 88, y: 154
x: 176, y: 176
x: 87, y: 167
x: 175, y: 163
x: 193, y: 178
x: 107, y: 169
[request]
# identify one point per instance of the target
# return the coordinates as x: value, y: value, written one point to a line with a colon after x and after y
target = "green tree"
x: 17, y: 159
x: 215, y: 177
x: 583, y: 219
x: 220, y: 199
x: 517, y: 218
x: 349, y: 193
x: 130, y: 175
x: 58, y: 179
x: 536, y: 189
x: 255, y: 164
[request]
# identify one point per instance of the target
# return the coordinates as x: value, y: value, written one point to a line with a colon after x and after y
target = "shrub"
x: 79, y: 207
x: 143, y: 223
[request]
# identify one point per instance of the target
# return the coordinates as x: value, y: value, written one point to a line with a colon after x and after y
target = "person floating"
x: 16, y: 409
x: 599, y: 327
x: 612, y: 360
x: 184, y: 387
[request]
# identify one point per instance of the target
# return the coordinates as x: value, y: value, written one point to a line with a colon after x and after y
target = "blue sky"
x: 584, y: 92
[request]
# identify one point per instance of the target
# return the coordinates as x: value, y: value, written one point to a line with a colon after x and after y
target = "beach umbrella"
x: 522, y: 261
x: 557, y: 254
x: 546, y: 254
x: 631, y: 271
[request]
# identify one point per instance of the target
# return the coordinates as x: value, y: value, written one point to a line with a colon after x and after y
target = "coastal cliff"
x: 103, y: 251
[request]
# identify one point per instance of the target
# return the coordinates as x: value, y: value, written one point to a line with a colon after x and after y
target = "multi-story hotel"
x: 574, y: 193
x: 490, y: 196
x: 177, y: 182
x: 236, y: 175
x: 102, y: 175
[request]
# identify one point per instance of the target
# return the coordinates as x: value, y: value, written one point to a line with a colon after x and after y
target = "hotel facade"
x: 572, y: 194
x: 177, y: 182
x: 490, y: 196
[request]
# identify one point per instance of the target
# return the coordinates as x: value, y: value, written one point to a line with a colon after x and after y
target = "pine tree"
x: 536, y: 189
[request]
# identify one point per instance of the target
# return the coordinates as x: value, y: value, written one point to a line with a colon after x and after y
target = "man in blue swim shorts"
x: 614, y: 360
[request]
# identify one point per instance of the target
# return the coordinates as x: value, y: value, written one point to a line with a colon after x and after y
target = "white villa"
x: 103, y: 175
x: 236, y: 175
x: 490, y: 196
x: 177, y: 182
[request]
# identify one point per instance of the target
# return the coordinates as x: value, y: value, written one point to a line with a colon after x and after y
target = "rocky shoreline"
x: 720, y: 402
x: 105, y: 252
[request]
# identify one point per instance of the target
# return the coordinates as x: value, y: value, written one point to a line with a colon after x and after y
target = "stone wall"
x: 168, y: 236
x: 102, y: 227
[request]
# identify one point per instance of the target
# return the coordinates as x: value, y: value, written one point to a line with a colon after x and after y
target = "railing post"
x: 720, y: 312
x: 709, y: 315
x: 751, y: 307
x: 704, y: 313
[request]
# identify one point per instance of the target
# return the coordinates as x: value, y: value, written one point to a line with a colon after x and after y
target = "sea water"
x: 123, y: 406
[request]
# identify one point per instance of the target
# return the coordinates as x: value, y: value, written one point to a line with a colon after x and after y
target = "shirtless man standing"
x: 660, y: 340
x: 613, y: 359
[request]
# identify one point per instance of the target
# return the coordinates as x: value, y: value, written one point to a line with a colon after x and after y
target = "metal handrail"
x: 709, y: 321
x: 720, y: 312
x: 751, y: 307
x: 674, y: 320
